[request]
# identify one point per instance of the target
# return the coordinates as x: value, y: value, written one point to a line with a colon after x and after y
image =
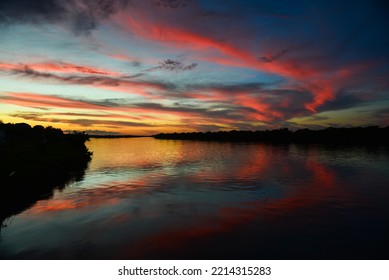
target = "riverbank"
x: 36, y: 160
x: 38, y: 154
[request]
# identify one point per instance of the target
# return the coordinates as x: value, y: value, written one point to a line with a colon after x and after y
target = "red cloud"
x: 228, y: 219
x: 308, y: 73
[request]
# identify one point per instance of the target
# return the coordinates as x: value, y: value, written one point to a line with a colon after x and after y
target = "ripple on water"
x: 146, y: 198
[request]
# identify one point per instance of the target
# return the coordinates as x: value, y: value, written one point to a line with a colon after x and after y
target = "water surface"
x: 143, y: 198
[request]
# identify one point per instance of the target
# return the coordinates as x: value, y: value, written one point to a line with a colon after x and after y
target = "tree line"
x: 36, y: 154
x: 356, y: 135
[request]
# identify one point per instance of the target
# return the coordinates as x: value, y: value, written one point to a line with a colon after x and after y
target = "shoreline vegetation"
x: 34, y: 161
x: 372, y: 135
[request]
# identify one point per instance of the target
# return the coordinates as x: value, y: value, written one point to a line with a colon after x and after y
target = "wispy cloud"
x: 271, y: 58
x: 81, y: 122
x: 87, y: 76
x: 56, y: 67
x: 172, y: 65
x: 46, y: 101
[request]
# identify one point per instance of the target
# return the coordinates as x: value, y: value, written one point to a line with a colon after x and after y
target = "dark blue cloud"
x: 83, y: 15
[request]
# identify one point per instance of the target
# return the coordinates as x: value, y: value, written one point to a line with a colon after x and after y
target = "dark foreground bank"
x: 372, y: 135
x: 36, y: 160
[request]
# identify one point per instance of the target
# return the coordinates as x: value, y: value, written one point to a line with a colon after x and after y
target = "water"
x: 157, y: 199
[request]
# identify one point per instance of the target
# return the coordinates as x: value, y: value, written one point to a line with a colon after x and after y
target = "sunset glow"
x: 146, y: 67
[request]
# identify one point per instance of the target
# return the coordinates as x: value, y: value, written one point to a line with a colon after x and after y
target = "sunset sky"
x: 148, y: 66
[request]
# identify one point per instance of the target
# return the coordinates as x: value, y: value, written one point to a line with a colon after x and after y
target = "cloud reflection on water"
x: 144, y: 198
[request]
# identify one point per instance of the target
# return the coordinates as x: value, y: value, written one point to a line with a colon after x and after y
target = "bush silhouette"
x: 34, y: 162
x: 38, y: 154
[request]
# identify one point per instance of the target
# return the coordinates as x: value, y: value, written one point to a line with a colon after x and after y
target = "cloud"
x: 343, y: 101
x: 229, y: 104
x: 229, y: 87
x: 82, y: 16
x: 323, y: 45
x: 228, y: 53
x: 56, y: 67
x: 271, y: 58
x: 94, y: 116
x: 171, y: 4
x: 173, y: 65
x: 265, y: 102
x: 214, y: 111
x: 109, y: 109
x: 81, y: 122
x: 252, y: 101
x: 88, y: 76
x: 46, y: 101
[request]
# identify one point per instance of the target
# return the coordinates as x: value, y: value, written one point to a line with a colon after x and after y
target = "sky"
x: 143, y: 67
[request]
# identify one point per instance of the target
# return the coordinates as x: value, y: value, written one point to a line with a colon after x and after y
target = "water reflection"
x: 17, y: 198
x: 148, y: 199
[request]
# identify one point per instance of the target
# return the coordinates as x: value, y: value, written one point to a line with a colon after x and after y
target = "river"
x: 142, y: 198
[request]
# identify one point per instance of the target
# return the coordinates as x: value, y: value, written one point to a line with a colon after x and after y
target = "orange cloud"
x: 39, y: 101
x: 58, y: 67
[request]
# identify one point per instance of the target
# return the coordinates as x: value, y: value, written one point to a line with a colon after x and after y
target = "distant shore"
x: 116, y: 136
x: 372, y: 135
